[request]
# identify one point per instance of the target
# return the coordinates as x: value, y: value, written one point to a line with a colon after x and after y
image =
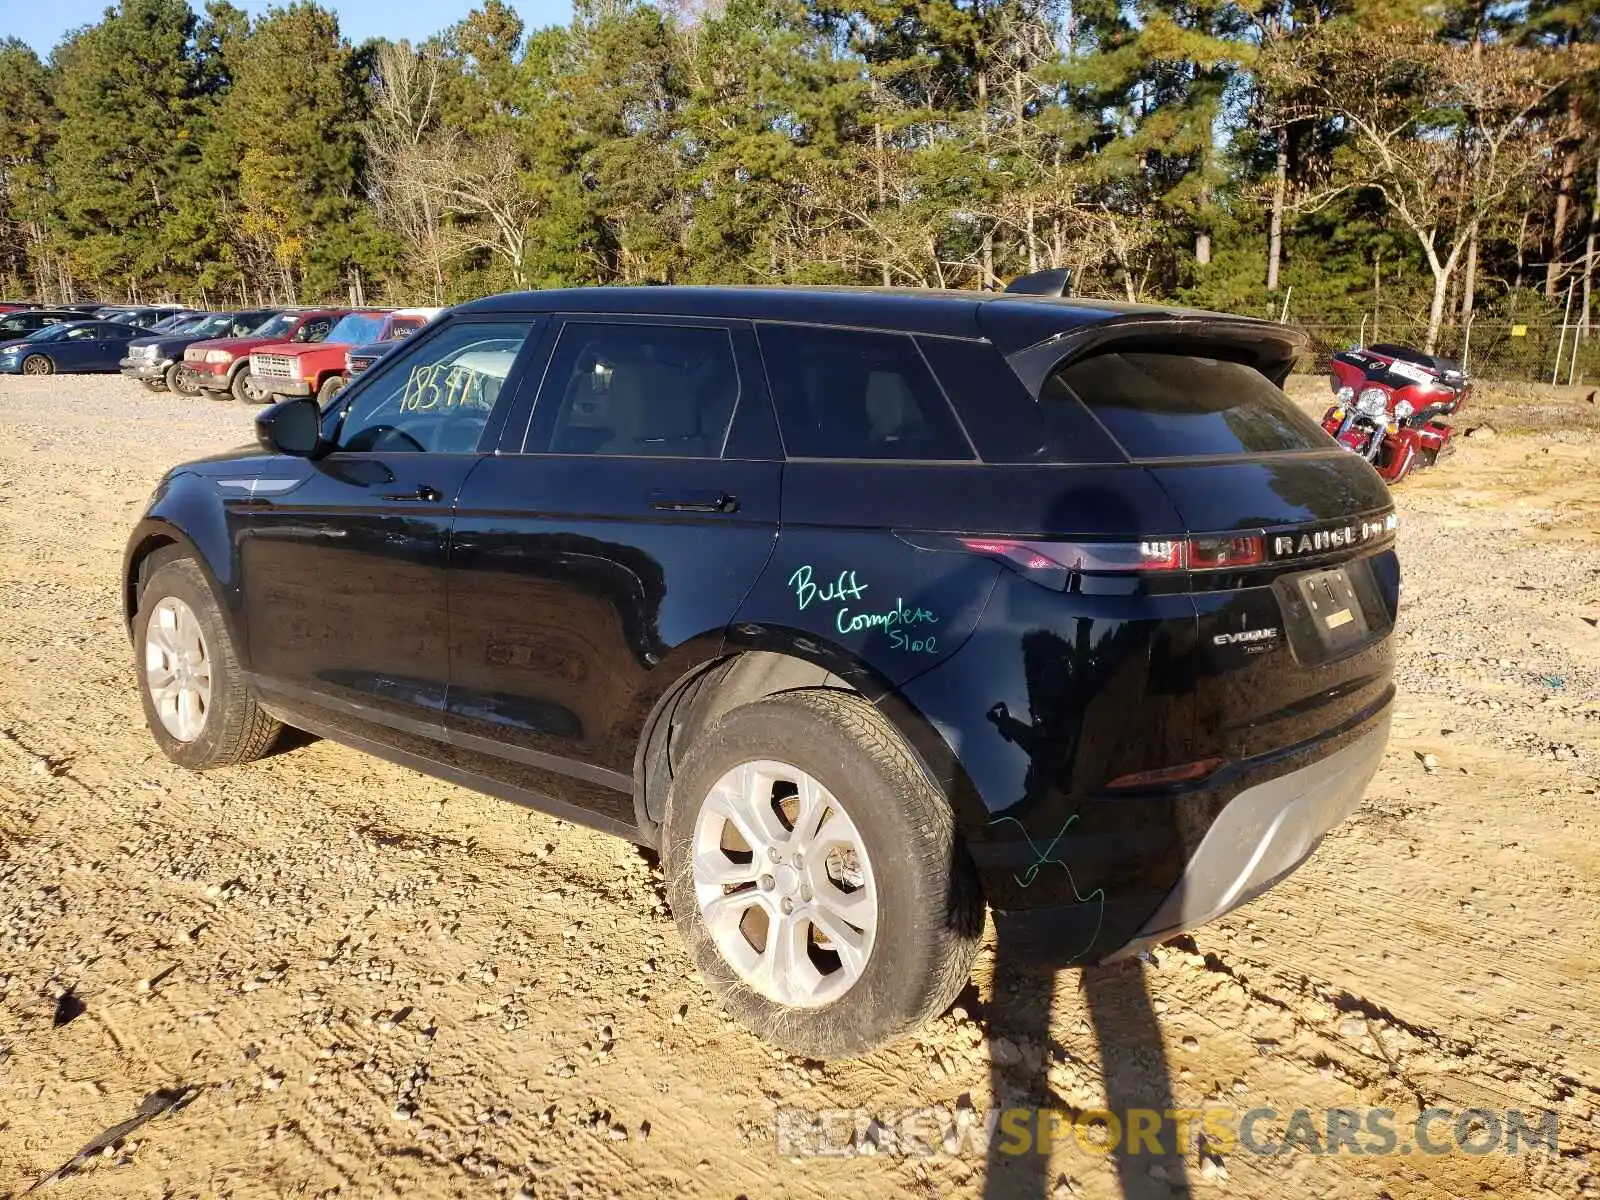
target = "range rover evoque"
x: 865, y: 608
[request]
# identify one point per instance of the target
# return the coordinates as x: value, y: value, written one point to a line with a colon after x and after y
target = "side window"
x: 84, y: 333
x: 314, y: 330
x: 437, y: 395
x: 14, y: 325
x: 845, y: 394
x: 655, y: 390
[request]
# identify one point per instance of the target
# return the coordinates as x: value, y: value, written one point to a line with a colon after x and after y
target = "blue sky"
x: 42, y: 23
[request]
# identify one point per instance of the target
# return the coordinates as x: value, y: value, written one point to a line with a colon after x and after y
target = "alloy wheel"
x: 177, y: 669
x: 784, y: 884
x: 36, y: 364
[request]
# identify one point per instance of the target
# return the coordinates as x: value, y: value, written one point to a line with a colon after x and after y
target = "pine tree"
x: 28, y: 128
x: 128, y: 90
x: 293, y: 119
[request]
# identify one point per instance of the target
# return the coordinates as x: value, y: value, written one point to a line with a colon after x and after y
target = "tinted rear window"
x: 846, y: 394
x: 1182, y: 405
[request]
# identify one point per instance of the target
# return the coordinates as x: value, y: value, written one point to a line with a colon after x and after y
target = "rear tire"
x: 196, y: 702
x: 38, y: 364
x: 914, y: 941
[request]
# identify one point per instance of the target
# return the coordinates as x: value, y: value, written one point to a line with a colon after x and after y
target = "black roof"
x: 1012, y: 320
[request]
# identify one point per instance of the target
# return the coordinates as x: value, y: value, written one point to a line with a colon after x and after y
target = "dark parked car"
x: 402, y: 324
x: 70, y: 346
x: 175, y: 323
x: 359, y: 358
x: 20, y: 324
x: 864, y: 608
x: 146, y: 316
x: 157, y: 361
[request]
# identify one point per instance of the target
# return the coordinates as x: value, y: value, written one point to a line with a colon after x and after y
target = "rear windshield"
x: 1183, y: 405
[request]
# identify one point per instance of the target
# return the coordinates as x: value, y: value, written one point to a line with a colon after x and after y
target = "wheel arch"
x: 160, y: 530
x: 745, y: 675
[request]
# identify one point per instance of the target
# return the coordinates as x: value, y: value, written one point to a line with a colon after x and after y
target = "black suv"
x: 865, y: 608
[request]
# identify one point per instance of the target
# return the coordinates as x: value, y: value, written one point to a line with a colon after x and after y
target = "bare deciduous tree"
x: 1444, y: 132
x: 405, y: 98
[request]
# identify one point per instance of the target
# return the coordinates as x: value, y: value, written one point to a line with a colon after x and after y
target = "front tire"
x: 196, y: 703
x: 815, y: 874
x: 330, y: 388
x: 177, y: 382
x: 38, y: 364
x: 242, y: 391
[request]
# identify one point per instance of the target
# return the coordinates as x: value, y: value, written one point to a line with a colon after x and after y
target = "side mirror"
x: 292, y: 426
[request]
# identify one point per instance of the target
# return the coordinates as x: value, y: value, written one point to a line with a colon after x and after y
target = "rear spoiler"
x: 1270, y: 348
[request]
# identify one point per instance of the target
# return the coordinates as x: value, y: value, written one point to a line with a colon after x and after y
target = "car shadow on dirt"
x: 1133, y: 1061
x: 1064, y: 680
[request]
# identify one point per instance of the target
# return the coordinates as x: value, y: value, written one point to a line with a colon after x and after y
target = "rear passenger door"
x: 602, y: 553
x: 878, y: 471
x: 110, y: 344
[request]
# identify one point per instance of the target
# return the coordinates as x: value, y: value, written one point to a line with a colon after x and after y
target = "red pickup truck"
x: 221, y: 366
x: 319, y: 370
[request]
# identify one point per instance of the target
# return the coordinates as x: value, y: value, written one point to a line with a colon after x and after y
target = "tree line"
x: 1437, y: 160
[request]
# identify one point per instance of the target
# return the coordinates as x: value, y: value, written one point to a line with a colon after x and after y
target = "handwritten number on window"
x: 443, y: 386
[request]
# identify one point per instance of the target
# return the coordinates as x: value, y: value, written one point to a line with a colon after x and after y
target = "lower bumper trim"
x: 1263, y: 834
x: 1258, y: 837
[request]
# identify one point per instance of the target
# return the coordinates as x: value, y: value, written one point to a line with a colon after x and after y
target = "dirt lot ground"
x: 376, y: 984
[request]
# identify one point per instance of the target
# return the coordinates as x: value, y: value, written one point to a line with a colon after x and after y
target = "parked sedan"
x: 68, y: 347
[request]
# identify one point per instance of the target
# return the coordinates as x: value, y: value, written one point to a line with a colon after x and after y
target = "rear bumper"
x: 1259, y: 835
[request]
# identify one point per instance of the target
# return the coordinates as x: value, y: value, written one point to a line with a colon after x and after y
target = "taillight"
x: 1214, y: 552
x: 1056, y: 559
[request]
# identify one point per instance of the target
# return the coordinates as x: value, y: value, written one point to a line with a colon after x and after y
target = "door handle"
x: 707, y: 502
x: 421, y: 493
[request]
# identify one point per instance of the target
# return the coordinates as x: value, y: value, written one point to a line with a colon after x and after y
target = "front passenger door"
x: 342, y: 558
